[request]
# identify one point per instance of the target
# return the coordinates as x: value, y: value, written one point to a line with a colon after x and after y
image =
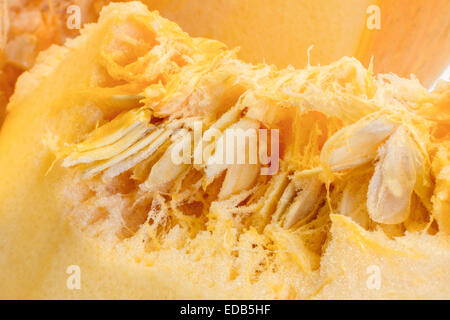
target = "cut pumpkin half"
x: 122, y: 155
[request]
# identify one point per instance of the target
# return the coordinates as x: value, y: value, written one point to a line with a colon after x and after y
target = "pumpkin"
x: 398, y: 35
x: 93, y: 204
